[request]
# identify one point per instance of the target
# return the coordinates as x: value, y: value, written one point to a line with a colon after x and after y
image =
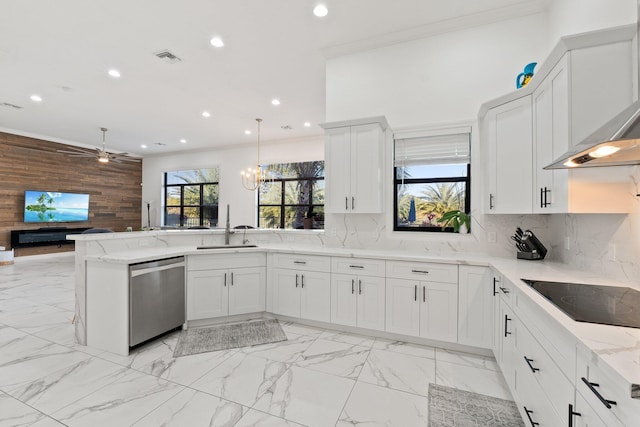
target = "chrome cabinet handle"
x: 225, y: 279
x: 592, y: 386
x: 296, y: 280
x: 506, y: 332
x: 359, y: 287
x: 415, y: 292
x: 529, y: 412
x: 353, y: 283
x: 571, y: 414
x: 420, y: 271
x: 530, y: 365
x: 356, y: 266
x: 300, y: 262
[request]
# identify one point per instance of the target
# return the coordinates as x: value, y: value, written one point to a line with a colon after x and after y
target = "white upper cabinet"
x: 585, y: 82
x: 353, y: 165
x: 509, y: 145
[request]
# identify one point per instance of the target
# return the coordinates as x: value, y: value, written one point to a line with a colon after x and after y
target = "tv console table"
x: 44, y: 236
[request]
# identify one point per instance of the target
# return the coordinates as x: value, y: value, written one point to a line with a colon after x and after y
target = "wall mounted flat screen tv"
x: 53, y: 206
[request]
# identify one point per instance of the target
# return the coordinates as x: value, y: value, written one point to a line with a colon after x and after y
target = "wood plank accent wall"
x: 115, y: 200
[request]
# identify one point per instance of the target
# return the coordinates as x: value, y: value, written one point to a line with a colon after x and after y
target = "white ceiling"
x: 62, y: 50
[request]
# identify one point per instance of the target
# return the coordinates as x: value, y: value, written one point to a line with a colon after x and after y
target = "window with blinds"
x: 432, y: 177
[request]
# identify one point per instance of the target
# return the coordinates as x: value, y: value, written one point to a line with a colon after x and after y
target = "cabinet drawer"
x: 224, y: 261
x: 625, y: 409
x: 302, y: 262
x: 559, y: 343
x: 535, y: 362
x: 427, y: 271
x: 362, y: 266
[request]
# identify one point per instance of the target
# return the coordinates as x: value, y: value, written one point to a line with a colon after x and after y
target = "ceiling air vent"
x: 167, y: 56
x: 14, y: 106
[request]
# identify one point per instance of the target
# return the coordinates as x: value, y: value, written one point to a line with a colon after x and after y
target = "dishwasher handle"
x: 152, y: 267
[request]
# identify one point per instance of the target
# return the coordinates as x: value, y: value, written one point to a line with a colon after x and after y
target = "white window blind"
x: 437, y: 147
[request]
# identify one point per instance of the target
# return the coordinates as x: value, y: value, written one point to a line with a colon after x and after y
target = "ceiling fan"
x: 102, y: 155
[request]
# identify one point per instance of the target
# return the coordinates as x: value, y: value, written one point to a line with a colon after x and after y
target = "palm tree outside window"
x: 191, y: 198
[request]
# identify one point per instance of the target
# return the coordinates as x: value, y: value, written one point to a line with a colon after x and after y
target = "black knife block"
x: 529, y: 255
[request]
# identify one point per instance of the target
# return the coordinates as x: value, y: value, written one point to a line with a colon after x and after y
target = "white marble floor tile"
x: 405, y: 348
x: 65, y: 386
x: 120, y: 403
x: 241, y: 378
x: 194, y: 409
x: 145, y: 355
x: 47, y: 422
x: 399, y: 371
x: 298, y: 329
x: 370, y: 405
x: 467, y: 359
x: 306, y: 397
x: 255, y: 418
x: 285, y: 351
x: 333, y: 357
x: 38, y: 363
x: 348, y: 338
x: 478, y: 380
x: 34, y: 323
x: 14, y: 413
x: 63, y: 334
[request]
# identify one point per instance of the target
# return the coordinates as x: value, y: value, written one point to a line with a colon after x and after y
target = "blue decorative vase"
x: 524, y: 77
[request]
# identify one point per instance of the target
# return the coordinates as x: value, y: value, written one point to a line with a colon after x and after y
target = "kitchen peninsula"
x: 490, y: 304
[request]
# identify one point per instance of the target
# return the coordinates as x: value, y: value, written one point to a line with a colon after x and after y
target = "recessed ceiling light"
x: 143, y: 146
x: 36, y: 98
x: 114, y: 73
x: 183, y: 141
x: 217, y: 42
x: 206, y: 114
x: 247, y: 132
x: 307, y: 124
x: 275, y: 101
x: 320, y: 10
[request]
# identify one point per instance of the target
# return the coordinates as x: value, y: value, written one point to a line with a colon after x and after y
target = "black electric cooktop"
x: 607, y: 305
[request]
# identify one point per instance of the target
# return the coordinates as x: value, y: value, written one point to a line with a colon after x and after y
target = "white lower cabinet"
x: 358, y: 301
x: 300, y: 286
x: 475, y: 306
x: 214, y: 291
x: 425, y: 309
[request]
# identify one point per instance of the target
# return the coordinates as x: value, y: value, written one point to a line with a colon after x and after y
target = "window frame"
x: 282, y: 205
x: 182, y: 206
x: 398, y: 181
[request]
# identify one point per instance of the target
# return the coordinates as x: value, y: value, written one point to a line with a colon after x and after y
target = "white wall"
x: 230, y: 161
x: 437, y: 79
x: 578, y: 16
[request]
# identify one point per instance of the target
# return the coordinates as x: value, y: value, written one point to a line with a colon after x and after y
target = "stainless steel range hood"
x: 616, y: 143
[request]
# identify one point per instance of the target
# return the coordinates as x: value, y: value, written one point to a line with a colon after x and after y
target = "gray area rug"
x: 221, y: 337
x: 450, y: 407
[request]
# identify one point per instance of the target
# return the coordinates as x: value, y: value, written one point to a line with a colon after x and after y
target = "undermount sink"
x: 227, y: 247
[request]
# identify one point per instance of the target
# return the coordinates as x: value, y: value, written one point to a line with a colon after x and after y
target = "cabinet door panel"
x: 403, y: 309
x: 366, y: 171
x: 247, y: 290
x: 475, y: 306
x: 315, y: 296
x: 439, y: 311
x: 286, y: 296
x: 207, y: 294
x: 337, y: 170
x: 371, y: 302
x: 343, y: 299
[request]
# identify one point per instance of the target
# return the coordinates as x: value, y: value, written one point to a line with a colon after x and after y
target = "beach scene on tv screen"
x: 49, y: 206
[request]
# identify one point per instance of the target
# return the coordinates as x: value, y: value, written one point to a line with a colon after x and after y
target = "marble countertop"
x: 617, y: 347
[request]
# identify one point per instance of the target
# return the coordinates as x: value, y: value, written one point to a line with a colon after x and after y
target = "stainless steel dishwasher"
x: 156, y: 298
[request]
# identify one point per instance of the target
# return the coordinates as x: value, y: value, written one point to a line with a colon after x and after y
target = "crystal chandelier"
x: 253, y: 178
